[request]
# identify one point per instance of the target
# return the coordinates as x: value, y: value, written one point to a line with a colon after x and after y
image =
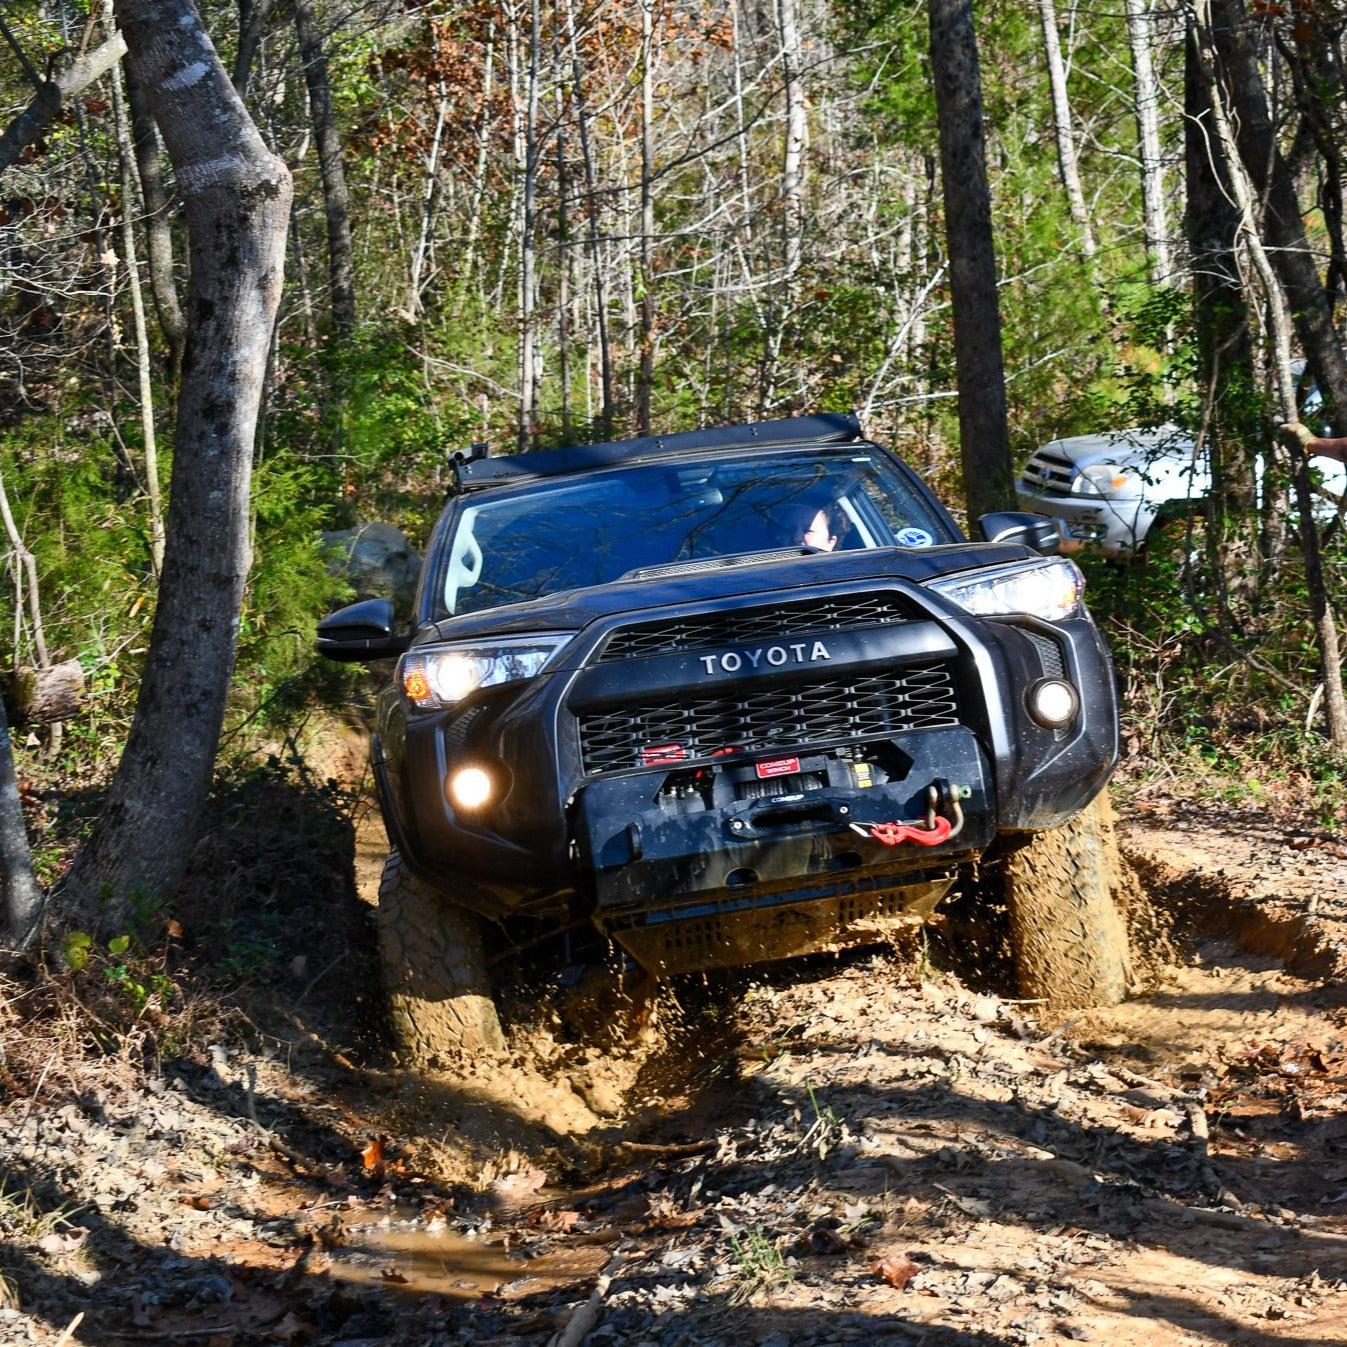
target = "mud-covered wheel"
x: 1068, y: 935
x: 434, y: 970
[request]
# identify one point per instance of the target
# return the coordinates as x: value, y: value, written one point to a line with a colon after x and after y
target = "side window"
x: 906, y: 519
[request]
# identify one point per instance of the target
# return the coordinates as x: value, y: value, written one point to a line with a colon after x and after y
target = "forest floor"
x: 862, y: 1149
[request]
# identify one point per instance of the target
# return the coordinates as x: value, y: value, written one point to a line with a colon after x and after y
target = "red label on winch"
x: 777, y: 767
x: 652, y: 757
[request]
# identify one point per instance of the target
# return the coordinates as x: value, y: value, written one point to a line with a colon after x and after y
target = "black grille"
x: 710, y: 631
x: 917, y: 697
x: 1049, y: 654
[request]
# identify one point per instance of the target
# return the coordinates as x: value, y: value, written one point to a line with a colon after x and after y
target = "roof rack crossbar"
x: 471, y: 474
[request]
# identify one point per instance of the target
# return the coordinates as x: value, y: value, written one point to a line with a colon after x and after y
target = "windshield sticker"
x: 914, y: 537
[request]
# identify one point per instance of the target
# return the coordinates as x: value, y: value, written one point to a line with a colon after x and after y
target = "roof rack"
x: 471, y: 472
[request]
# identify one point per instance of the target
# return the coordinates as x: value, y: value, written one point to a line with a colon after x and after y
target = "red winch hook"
x: 891, y: 834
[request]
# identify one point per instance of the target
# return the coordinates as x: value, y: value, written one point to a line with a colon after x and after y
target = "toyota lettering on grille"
x: 769, y: 656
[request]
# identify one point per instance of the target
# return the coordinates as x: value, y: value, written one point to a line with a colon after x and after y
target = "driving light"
x: 470, y: 787
x: 433, y: 676
x: 1047, y: 589
x: 1052, y: 702
x: 1102, y: 479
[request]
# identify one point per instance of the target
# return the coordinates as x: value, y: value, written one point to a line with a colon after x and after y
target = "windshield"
x: 570, y: 533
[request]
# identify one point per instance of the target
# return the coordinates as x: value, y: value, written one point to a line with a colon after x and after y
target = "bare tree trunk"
x: 646, y: 378
x: 792, y: 185
x: 1061, y: 117
x: 236, y: 197
x: 54, y: 96
x: 1211, y: 225
x: 1335, y: 700
x: 1282, y: 227
x: 479, y: 172
x: 607, y: 414
x: 428, y: 198
x: 336, y: 199
x: 1141, y: 36
x: 527, y: 153
x: 984, y: 431
x: 23, y: 900
x: 253, y: 15
x: 158, y: 230
x: 142, y: 340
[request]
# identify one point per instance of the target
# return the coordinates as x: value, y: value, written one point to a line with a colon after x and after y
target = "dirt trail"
x: 856, y: 1150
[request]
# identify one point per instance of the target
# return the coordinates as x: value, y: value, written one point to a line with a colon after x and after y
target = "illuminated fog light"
x: 1053, y: 703
x: 470, y: 787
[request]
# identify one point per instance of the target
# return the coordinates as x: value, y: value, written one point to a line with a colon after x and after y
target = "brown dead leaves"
x: 896, y: 1269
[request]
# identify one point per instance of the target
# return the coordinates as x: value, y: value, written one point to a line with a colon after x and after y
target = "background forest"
x: 540, y: 223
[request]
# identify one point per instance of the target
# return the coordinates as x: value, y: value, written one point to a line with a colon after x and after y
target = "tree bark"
x: 593, y: 232
x: 53, y: 96
x: 336, y: 198
x: 1140, y: 35
x: 1061, y: 118
x: 1239, y: 176
x: 253, y: 15
x: 146, y: 385
x: 1282, y: 226
x: 1211, y: 225
x: 23, y: 900
x: 236, y: 197
x: 158, y: 226
x: 645, y: 379
x: 984, y: 431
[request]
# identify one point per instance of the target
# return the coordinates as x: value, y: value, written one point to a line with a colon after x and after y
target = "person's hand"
x: 1296, y: 435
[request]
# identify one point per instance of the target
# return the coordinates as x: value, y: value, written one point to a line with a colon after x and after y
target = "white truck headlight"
x: 1048, y: 589
x: 434, y: 676
x: 1102, y: 479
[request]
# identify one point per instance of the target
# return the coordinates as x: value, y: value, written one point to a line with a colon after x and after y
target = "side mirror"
x: 360, y: 632
x: 1035, y: 531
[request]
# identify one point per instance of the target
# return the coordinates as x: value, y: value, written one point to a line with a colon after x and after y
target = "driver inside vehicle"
x: 820, y: 524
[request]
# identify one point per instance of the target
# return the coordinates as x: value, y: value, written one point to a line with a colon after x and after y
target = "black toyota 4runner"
x: 731, y: 696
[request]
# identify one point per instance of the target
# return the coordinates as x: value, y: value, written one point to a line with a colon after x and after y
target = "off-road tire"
x: 433, y: 959
x: 1068, y: 936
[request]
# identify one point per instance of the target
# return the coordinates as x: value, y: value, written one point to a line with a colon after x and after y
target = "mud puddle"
x: 412, y: 1257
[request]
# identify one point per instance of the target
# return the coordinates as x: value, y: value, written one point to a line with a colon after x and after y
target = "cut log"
x: 43, y: 696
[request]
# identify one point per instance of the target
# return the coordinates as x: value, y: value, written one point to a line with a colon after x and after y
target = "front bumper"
x: 622, y: 802
x: 647, y: 846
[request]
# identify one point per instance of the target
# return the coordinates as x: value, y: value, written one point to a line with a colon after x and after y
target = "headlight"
x: 1102, y: 479
x: 433, y: 676
x: 1047, y: 589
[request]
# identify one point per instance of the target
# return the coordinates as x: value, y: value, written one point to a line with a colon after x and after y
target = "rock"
x: 378, y: 561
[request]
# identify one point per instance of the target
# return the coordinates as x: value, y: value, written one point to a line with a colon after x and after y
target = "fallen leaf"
x: 372, y: 1157
x: 553, y: 1221
x: 896, y: 1269
x: 289, y: 1328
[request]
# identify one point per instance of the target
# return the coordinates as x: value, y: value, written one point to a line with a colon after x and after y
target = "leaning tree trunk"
x: 236, y: 198
x: 1140, y: 35
x: 1067, y: 165
x: 1241, y: 186
x: 984, y: 430
x: 158, y: 224
x: 336, y: 198
x: 1282, y: 225
x: 1211, y: 225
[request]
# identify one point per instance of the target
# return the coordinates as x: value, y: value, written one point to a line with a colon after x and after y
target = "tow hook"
x: 934, y: 829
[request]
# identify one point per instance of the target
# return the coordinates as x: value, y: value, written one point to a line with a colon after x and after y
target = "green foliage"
x: 760, y: 1264
x: 136, y: 977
